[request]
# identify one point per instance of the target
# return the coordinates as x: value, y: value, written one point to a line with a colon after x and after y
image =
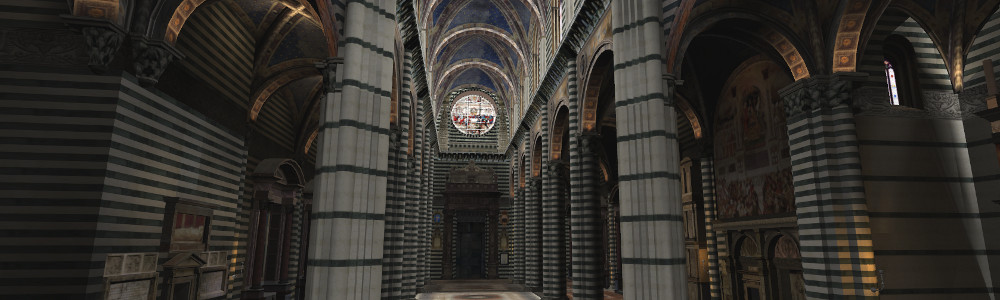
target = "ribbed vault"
x: 478, y: 43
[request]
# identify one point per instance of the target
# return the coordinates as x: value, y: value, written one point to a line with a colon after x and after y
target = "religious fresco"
x: 753, y: 168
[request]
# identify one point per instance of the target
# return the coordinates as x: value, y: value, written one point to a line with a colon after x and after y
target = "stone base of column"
x: 258, y: 295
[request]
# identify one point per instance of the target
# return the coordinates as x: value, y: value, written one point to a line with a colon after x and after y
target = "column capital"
x: 152, y: 58
x: 589, y: 141
x: 556, y: 164
x: 670, y: 83
x: 328, y: 68
x: 103, y: 38
x: 820, y: 91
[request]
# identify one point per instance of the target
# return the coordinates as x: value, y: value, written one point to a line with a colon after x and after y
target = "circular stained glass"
x: 473, y: 114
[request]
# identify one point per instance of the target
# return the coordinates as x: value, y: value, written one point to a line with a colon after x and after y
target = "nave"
x: 483, y: 149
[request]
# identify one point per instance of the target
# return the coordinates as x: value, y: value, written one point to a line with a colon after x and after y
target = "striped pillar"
x: 653, y: 254
x: 425, y: 220
x: 834, y: 232
x: 399, y: 187
x: 532, y: 235
x: 348, y: 222
x: 412, y: 211
x: 708, y: 195
x: 588, y: 271
x: 553, y: 268
x: 391, y: 262
x: 426, y: 173
x: 584, y: 206
x: 518, y: 246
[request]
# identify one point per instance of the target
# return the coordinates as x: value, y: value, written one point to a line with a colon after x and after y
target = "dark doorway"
x: 470, y: 250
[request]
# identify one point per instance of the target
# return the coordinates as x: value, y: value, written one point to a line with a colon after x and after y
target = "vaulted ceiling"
x: 479, y: 43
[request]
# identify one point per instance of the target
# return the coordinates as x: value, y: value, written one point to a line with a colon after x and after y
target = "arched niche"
x: 785, y: 278
x: 277, y: 187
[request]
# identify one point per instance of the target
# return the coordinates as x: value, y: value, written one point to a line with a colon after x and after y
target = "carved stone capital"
x: 670, y: 83
x: 818, y: 92
x: 556, y: 165
x: 535, y: 182
x: 103, y: 39
x: 328, y: 68
x: 589, y: 142
x: 393, y: 139
x: 152, y: 58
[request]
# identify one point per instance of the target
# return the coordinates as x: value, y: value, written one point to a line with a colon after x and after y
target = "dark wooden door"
x: 469, y: 262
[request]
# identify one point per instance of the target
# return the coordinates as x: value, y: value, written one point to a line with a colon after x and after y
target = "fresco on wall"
x: 753, y: 169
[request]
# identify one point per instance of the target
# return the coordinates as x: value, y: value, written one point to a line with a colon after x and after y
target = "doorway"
x: 470, y: 250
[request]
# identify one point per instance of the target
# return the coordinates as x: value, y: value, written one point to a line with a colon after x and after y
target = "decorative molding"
x: 57, y: 47
x: 778, y: 222
x: 874, y: 101
x: 973, y: 100
x: 818, y: 92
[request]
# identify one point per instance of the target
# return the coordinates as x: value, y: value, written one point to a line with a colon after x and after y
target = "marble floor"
x: 475, y: 289
x: 485, y: 289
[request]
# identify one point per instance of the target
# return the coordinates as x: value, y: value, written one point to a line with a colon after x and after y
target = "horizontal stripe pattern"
x: 912, y: 181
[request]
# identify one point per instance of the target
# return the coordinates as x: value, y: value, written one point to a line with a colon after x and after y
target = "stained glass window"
x: 890, y: 77
x: 473, y: 114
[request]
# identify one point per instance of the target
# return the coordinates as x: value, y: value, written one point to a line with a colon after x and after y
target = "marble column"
x: 425, y: 216
x: 708, y: 195
x: 400, y: 183
x: 553, y: 274
x: 348, y: 228
x: 413, y: 197
x: 392, y: 260
x: 652, y: 229
x: 585, y: 223
x: 533, y: 234
x: 834, y: 232
x: 518, y: 245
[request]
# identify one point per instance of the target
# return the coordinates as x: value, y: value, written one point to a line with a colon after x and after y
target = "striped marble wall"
x: 161, y: 149
x: 930, y: 65
x: 219, y: 48
x: 55, y: 148
x: 94, y: 174
x: 931, y: 216
x: 57, y: 119
x: 984, y: 47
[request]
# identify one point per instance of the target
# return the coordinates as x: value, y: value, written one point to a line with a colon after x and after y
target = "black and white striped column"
x: 584, y: 206
x: 348, y: 218
x: 400, y: 186
x: 532, y: 229
x: 834, y: 232
x: 708, y: 196
x: 425, y: 221
x: 427, y: 174
x: 412, y: 210
x: 391, y: 261
x: 553, y: 268
x: 653, y: 253
x: 518, y: 246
